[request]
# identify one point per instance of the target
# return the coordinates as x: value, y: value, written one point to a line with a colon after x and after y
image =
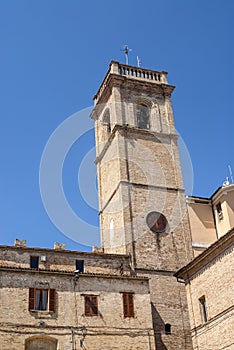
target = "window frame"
x: 219, y: 210
x: 51, y: 300
x: 35, y: 259
x: 128, y: 304
x: 79, y: 263
x: 140, y: 108
x: 203, y: 309
x: 91, y: 305
x: 106, y: 120
x: 167, y: 328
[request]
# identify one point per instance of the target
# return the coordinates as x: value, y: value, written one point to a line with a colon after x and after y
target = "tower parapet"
x: 131, y: 72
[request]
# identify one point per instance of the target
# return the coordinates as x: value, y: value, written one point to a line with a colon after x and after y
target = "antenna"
x: 126, y: 51
x: 138, y: 61
x: 230, y: 172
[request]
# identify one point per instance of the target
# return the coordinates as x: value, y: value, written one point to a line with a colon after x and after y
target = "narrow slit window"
x: 219, y: 211
x: 203, y: 309
x: 167, y: 328
x: 106, y: 120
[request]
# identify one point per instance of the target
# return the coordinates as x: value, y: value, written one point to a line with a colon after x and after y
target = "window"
x: 143, y: 115
x: 80, y: 265
x: 91, y: 305
x: 42, y: 299
x: 219, y: 211
x: 128, y: 306
x: 167, y: 328
x: 203, y: 309
x: 106, y: 120
x: 34, y: 262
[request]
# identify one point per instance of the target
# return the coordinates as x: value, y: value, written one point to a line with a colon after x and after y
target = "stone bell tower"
x: 141, y: 194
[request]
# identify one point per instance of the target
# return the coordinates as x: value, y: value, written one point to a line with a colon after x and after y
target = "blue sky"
x: 54, y: 54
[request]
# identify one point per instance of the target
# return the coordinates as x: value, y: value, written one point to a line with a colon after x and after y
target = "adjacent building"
x: 209, y: 278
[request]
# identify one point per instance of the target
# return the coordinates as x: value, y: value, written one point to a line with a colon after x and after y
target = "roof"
x: 209, y: 254
x: 70, y: 273
x: 219, y: 190
x: 62, y: 251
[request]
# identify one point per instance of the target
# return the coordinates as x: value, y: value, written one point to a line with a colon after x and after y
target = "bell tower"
x: 141, y: 195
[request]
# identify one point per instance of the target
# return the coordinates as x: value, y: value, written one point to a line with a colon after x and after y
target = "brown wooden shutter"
x: 125, y: 304
x: 87, y: 305
x: 31, y: 299
x: 128, y: 305
x: 94, y: 305
x: 52, y: 300
x: 91, y: 305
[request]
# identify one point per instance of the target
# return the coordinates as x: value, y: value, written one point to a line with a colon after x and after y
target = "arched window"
x: 167, y: 328
x: 41, y: 343
x: 143, y: 116
x: 106, y: 120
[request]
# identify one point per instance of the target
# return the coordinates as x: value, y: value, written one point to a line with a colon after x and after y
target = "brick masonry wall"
x: 108, y: 330
x: 64, y: 260
x: 149, y: 180
x: 212, y: 280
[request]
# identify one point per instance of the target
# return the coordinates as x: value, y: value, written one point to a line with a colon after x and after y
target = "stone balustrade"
x: 139, y: 73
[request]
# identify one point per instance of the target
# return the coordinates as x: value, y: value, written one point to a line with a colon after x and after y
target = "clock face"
x: 157, y: 222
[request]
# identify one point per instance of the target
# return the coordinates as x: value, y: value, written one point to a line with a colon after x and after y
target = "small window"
x: 203, y: 309
x: 34, y: 262
x: 106, y: 120
x: 42, y: 299
x: 219, y: 211
x: 80, y: 265
x: 91, y: 305
x: 167, y: 328
x: 128, y: 305
x: 143, y: 117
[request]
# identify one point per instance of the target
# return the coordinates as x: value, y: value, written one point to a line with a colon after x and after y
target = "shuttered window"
x: 42, y: 299
x: 128, y: 305
x: 91, y: 305
x: 52, y: 301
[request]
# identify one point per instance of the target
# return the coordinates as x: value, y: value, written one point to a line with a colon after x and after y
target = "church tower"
x: 141, y: 195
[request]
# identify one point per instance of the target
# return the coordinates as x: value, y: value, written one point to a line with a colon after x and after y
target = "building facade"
x: 209, y: 277
x: 209, y: 285
x: 127, y: 294
x: 46, y: 304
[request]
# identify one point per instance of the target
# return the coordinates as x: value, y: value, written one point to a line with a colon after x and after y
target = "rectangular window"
x: 34, y: 262
x: 80, y: 265
x: 203, y: 309
x: 42, y: 299
x: 91, y: 305
x: 219, y: 211
x: 128, y: 305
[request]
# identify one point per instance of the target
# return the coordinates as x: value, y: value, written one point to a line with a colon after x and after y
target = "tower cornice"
x: 119, y: 73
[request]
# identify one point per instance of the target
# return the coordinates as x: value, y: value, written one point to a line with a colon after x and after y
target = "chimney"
x: 59, y: 246
x: 19, y: 243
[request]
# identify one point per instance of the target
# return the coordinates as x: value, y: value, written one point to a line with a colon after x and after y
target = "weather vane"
x: 126, y: 51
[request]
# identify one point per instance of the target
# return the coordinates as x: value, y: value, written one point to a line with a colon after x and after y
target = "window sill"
x: 40, y: 313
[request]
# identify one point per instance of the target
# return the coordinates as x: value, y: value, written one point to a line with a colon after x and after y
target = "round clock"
x: 157, y: 222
